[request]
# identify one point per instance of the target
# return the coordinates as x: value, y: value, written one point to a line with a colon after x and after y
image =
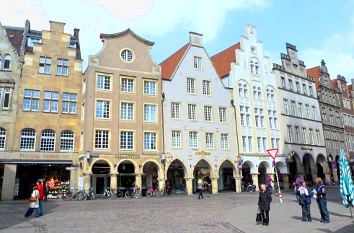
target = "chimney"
x: 76, y: 32
x: 56, y: 26
x: 196, y: 38
x: 27, y: 24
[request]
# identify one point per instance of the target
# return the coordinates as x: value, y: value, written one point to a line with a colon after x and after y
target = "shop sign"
x: 202, y: 152
x: 306, y: 148
x: 46, y: 156
x: 125, y: 156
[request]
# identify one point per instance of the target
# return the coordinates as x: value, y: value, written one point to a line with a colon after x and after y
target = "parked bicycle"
x: 134, y: 192
x: 90, y: 195
x: 108, y: 193
x: 151, y: 192
x: 248, y: 187
x: 69, y: 195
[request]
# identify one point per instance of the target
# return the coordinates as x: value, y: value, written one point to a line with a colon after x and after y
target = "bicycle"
x: 151, y: 192
x: 248, y: 187
x: 134, y: 192
x: 83, y: 195
x: 108, y: 193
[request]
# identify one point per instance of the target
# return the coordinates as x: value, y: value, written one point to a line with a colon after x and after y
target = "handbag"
x: 302, y: 200
x: 259, y: 216
x: 32, y: 199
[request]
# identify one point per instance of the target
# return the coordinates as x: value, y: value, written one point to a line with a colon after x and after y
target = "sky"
x: 320, y: 29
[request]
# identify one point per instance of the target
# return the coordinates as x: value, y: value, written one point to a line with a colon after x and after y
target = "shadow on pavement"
x: 300, y: 218
x: 346, y: 229
x: 341, y: 215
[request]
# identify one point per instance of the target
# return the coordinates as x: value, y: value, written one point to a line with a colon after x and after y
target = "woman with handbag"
x: 33, y: 202
x: 264, y: 200
x: 305, y: 201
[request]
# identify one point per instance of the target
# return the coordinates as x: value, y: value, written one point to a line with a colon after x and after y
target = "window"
x: 243, y: 122
x: 47, y: 140
x: 149, y: 141
x: 304, y: 88
x: 5, y: 94
x: 318, y: 137
x: 249, y: 143
x: 102, y: 109
x: 293, y: 108
x: 311, y: 141
x: 192, y: 112
x: 283, y: 84
x: 190, y: 85
x: 254, y: 65
x: 2, y: 138
x: 33, y: 41
x: 126, y: 55
x: 297, y: 133
x: 149, y: 88
x: 193, y: 140
x: 311, y: 91
x: 297, y: 84
x: 127, y: 140
x: 208, y: 113
x: 69, y: 103
x: 31, y: 100
x: 313, y: 115
x: 206, y: 87
x: 127, y: 85
x: 209, y: 140
x: 127, y: 111
x: 103, y: 82
x: 67, y: 141
x: 307, y: 113
x: 101, y: 139
x: 63, y: 67
x: 150, y: 113
x: 28, y: 138
x: 303, y: 135
x: 175, y: 110
x: 264, y: 141
x: 222, y: 114
x: 7, y: 62
x: 242, y: 90
x: 44, y: 65
x: 224, y: 141
x: 197, y: 63
x: 176, y: 139
x: 50, y: 102
x: 290, y: 133
x: 244, y: 143
x: 286, y: 106
x: 291, y: 87
x: 259, y: 144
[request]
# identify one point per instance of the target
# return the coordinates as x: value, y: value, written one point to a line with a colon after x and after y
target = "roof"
x: 123, y: 33
x: 15, y: 36
x: 314, y: 72
x: 222, y: 60
x: 169, y: 65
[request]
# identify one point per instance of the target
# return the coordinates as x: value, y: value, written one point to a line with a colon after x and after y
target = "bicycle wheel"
x: 137, y: 195
x: 127, y: 194
x: 249, y: 188
x: 92, y: 196
x: 81, y: 196
x: 159, y: 194
x: 119, y: 194
x: 148, y: 194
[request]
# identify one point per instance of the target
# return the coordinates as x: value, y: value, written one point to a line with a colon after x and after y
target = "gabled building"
x: 330, y: 107
x: 122, y: 124
x: 247, y: 70
x: 11, y: 61
x: 199, y: 124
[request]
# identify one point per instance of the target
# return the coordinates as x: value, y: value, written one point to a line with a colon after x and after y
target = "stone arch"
x: 181, y: 161
x: 310, y: 170
x: 95, y: 160
x: 264, y: 168
x: 207, y: 162
x: 202, y: 169
x: 295, y: 166
x: 152, y: 174
x: 101, y: 170
x: 176, y: 174
x: 227, y: 172
x: 321, y: 160
x: 282, y: 168
x: 137, y: 169
x: 160, y: 169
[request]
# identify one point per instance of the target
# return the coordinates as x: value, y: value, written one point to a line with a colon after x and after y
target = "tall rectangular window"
x: 283, y: 84
x: 206, y: 87
x: 318, y: 137
x: 44, y: 65
x: 149, y: 88
x: 126, y: 140
x: 224, y: 141
x: 244, y: 143
x: 249, y: 143
x: 2, y: 138
x: 176, y: 139
x: 193, y: 139
x: 222, y: 114
x: 5, y: 94
x: 175, y: 110
x: 190, y: 85
x: 208, y: 113
x: 286, y: 106
x: 50, y: 102
x: 209, y: 140
x: 293, y: 108
x: 197, y: 63
x: 62, y: 67
x: 103, y: 82
x: 127, y: 111
x: 127, y: 85
x: 149, y: 141
x: 31, y: 100
x: 303, y: 135
x: 304, y: 88
x: 102, y: 109
x: 290, y: 133
x: 291, y: 87
x: 297, y: 87
x: 311, y: 141
x: 192, y: 115
x: 150, y: 113
x: 101, y: 139
x: 264, y: 142
x: 259, y: 144
x: 69, y: 103
x: 311, y: 91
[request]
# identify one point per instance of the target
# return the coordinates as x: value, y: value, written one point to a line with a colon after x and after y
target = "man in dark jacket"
x: 264, y: 200
x: 321, y: 192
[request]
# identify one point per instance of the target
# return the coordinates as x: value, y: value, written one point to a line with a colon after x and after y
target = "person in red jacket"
x: 40, y: 189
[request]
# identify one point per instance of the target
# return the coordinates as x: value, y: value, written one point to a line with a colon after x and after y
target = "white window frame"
x: 192, y: 111
x: 176, y: 137
x: 47, y: 140
x: 102, y: 139
x: 150, y: 113
x: 45, y: 64
x: 175, y: 110
x: 28, y: 141
x: 102, y: 109
x: 150, y: 141
x: 67, y: 139
x: 193, y: 139
x: 209, y: 140
x: 69, y: 105
x: 127, y: 111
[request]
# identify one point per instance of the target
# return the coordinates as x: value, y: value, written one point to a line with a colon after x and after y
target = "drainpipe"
x: 238, y: 177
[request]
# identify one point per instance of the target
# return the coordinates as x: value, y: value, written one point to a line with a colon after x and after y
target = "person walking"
x: 269, y: 183
x: 296, y: 186
x: 33, y: 202
x: 200, y: 188
x: 264, y: 200
x: 40, y: 189
x: 321, y: 199
x: 305, y: 201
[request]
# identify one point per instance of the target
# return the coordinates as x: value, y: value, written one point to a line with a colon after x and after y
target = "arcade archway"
x: 175, y: 176
x: 202, y: 170
x: 226, y: 181
x: 100, y: 176
x: 309, y: 168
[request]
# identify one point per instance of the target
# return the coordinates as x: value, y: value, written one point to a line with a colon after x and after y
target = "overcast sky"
x: 321, y: 29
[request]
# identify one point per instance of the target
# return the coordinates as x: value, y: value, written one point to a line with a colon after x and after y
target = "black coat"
x: 264, y: 200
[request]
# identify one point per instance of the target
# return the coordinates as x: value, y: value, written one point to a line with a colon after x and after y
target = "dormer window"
x: 33, y: 41
x: 126, y: 55
x: 72, y: 45
x: 255, y: 69
x: 197, y: 63
x: 7, y: 62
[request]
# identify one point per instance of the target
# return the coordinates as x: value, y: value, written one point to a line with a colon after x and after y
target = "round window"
x: 126, y: 55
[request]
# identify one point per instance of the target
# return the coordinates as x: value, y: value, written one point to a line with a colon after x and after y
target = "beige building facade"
x: 122, y: 138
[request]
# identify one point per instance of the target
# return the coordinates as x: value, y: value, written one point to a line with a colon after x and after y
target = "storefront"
x: 175, y: 177
x: 226, y: 181
x: 202, y: 170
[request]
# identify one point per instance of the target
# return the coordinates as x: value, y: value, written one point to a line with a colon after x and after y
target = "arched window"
x: 255, y: 67
x: 66, y: 141
x: 7, y: 62
x: 2, y: 138
x: 243, y: 90
x: 28, y: 139
x: 47, y: 140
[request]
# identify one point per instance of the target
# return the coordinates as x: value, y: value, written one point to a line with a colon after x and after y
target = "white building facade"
x: 199, y: 126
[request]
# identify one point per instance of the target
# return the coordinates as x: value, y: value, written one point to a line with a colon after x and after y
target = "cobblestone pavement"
x: 228, y: 212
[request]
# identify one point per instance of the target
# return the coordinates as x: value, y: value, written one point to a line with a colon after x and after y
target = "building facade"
x: 330, y: 107
x: 199, y: 127
x: 300, y: 118
x: 11, y: 62
x: 47, y: 128
x: 122, y: 140
x: 247, y: 70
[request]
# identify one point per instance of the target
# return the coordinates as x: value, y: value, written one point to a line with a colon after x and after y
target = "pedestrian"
x: 264, y: 200
x: 269, y: 183
x: 200, y: 188
x: 305, y: 201
x: 40, y: 189
x: 296, y: 186
x: 33, y: 202
x: 321, y: 199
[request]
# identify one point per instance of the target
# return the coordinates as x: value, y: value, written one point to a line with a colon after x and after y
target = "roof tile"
x: 314, y: 72
x: 169, y: 65
x: 222, y: 60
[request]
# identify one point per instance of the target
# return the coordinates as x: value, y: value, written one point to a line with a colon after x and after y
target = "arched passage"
x: 263, y: 169
x: 126, y: 175
x: 100, y: 176
x: 247, y: 168
x: 295, y: 166
x: 309, y: 168
x: 322, y: 167
x: 281, y: 170
x: 202, y: 170
x: 175, y: 176
x: 226, y: 179
x: 150, y: 175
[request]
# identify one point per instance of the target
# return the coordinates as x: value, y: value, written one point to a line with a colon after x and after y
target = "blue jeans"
x: 40, y: 209
x: 30, y: 211
x: 306, y: 212
x: 322, y: 205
